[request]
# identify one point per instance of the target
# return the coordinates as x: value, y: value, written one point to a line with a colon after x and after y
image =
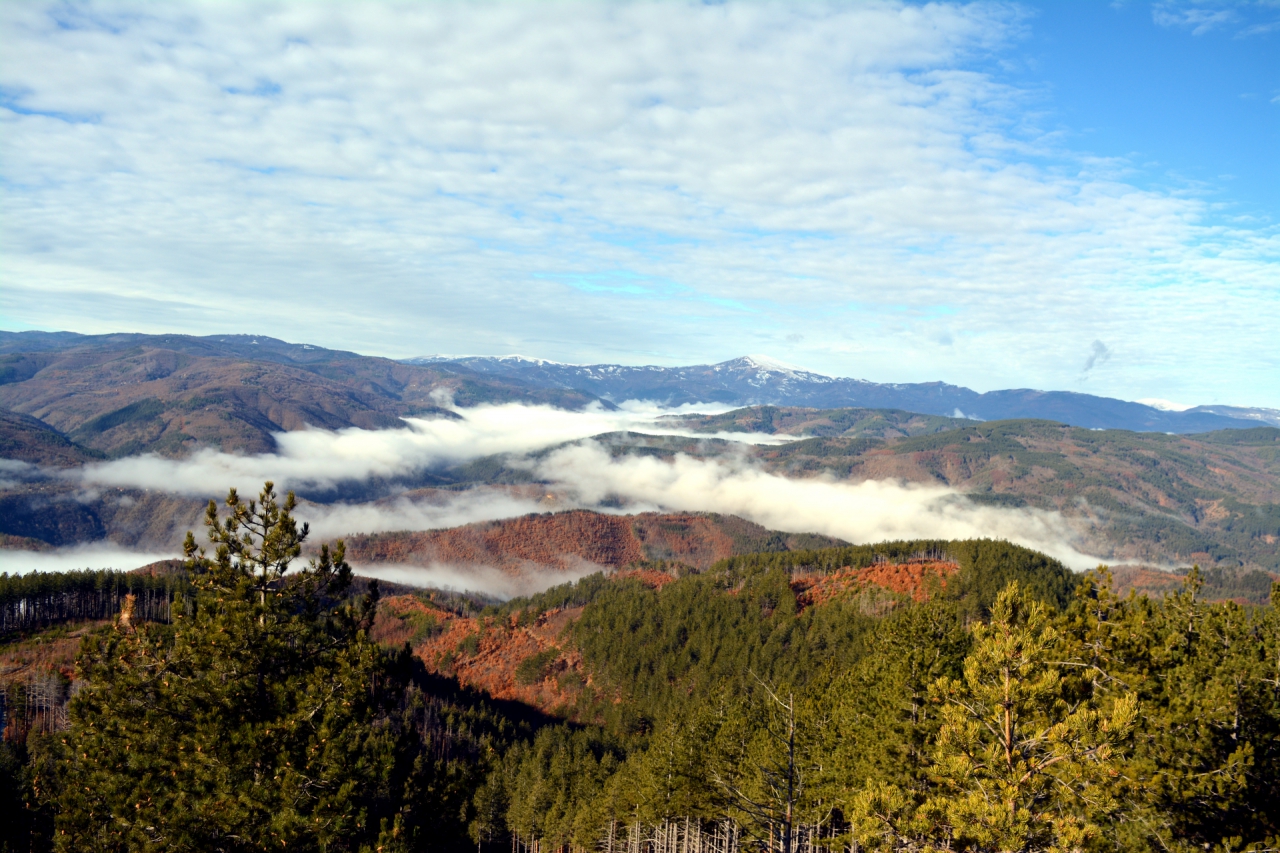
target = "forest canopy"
x: 768, y: 703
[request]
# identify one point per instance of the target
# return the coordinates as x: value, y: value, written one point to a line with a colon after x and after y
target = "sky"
x: 1076, y: 196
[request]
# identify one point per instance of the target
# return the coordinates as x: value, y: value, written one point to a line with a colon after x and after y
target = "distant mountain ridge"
x: 125, y: 394
x: 275, y: 384
x: 758, y: 380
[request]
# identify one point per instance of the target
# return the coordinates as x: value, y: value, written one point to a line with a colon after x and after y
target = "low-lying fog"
x: 578, y: 471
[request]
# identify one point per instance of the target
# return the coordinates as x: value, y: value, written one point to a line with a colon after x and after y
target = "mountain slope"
x: 1212, y: 498
x: 171, y: 394
x: 755, y: 380
x: 578, y: 539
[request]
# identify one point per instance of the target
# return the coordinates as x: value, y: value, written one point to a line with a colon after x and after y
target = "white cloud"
x: 474, y: 578
x: 869, y: 511
x: 331, y: 521
x: 96, y: 555
x: 583, y: 474
x: 322, y: 458
x: 617, y: 182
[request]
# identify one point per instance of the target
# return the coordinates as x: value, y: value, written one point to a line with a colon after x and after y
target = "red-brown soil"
x: 1218, y: 585
x: 50, y: 651
x: 568, y: 540
x: 1145, y: 581
x: 652, y: 578
x: 915, y: 579
x: 501, y: 647
x: 485, y: 652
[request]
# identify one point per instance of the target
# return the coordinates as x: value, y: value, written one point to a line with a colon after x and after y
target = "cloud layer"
x: 321, y: 458
x: 869, y: 511
x: 581, y: 473
x: 849, y: 186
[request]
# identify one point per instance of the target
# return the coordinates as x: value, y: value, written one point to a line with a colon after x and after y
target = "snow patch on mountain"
x: 1164, y: 405
x: 773, y: 365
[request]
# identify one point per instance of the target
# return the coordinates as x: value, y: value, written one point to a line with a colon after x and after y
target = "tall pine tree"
x: 262, y: 718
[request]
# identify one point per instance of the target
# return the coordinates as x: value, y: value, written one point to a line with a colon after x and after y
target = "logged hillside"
x: 171, y: 394
x: 614, y: 712
x: 578, y: 539
x: 632, y: 636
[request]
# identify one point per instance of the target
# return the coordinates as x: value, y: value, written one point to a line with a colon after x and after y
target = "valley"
x: 72, y: 404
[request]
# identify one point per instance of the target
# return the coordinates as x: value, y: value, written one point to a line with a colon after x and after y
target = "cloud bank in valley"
x: 581, y: 473
x: 321, y: 458
x: 869, y: 511
x: 482, y: 579
x: 98, y: 555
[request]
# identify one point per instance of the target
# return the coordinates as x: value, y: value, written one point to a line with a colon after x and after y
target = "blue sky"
x: 1187, y: 93
x: 989, y: 194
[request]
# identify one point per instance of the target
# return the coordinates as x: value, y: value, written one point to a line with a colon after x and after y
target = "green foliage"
x: 1256, y: 436
x: 1002, y: 715
x: 882, y: 715
x: 38, y: 600
x: 1020, y: 767
x: 986, y: 566
x: 1021, y: 708
x: 548, y: 789
x: 25, y: 822
x: 1205, y: 763
x: 264, y: 718
x: 536, y: 667
x: 140, y: 412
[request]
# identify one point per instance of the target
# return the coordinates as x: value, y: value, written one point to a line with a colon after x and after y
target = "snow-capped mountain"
x: 760, y: 380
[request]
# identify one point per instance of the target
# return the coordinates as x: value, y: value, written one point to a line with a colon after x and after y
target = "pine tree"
x: 260, y: 719
x: 1205, y: 758
x: 1016, y: 767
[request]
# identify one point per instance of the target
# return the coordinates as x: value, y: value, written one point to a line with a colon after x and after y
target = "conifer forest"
x: 256, y: 699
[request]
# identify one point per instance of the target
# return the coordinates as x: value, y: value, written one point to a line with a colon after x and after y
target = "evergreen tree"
x: 1204, y: 771
x: 1016, y: 766
x: 883, y: 719
x: 260, y: 719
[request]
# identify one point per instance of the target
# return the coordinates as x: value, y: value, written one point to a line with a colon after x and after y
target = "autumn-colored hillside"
x: 915, y: 578
x: 1211, y: 498
x: 575, y: 539
x: 530, y: 657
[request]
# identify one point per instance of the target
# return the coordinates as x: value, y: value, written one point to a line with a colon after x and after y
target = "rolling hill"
x: 171, y: 394
x: 1145, y: 497
x: 577, y: 539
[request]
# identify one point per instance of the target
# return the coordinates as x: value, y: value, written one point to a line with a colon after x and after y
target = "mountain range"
x: 758, y: 380
x: 1135, y: 493
x: 234, y: 391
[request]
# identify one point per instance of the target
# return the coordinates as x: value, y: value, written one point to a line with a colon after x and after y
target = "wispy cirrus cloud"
x: 1245, y: 17
x: 616, y: 182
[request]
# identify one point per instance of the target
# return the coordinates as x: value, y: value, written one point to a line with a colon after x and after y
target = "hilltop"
x: 574, y: 539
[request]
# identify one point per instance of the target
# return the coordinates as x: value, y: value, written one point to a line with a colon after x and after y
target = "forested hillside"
x: 856, y: 697
x: 569, y: 540
x: 1212, y: 498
